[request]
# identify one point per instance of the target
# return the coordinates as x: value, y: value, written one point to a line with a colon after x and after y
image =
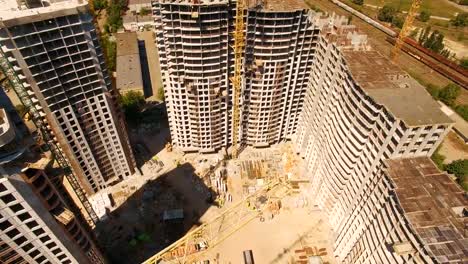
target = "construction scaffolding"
x: 197, y: 243
x: 40, y: 122
x: 239, y: 44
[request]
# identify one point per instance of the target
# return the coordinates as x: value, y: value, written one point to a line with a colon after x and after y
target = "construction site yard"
x: 176, y: 193
x: 292, y: 236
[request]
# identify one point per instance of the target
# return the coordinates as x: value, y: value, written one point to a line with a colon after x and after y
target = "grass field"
x: 435, y: 7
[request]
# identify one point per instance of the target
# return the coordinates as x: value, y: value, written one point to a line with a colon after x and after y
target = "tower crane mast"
x: 413, y: 11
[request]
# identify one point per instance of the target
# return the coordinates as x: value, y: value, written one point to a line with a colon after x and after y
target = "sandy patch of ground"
x: 453, y: 148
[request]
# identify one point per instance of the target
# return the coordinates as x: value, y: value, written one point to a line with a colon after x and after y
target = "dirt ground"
x: 453, y: 148
x: 135, y: 229
x: 279, y: 239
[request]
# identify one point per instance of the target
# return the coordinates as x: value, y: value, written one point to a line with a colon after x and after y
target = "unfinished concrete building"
x: 37, y: 223
x: 361, y: 113
x: 194, y: 40
x: 364, y: 127
x: 54, y: 49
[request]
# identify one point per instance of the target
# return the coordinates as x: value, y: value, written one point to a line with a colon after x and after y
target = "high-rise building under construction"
x: 54, y: 51
x: 39, y: 222
x: 364, y: 128
x: 195, y: 44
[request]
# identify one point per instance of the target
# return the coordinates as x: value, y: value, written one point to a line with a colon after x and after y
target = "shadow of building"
x: 155, y: 216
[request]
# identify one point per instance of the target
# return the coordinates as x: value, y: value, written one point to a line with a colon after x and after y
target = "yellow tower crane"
x: 405, y: 29
x: 239, y: 44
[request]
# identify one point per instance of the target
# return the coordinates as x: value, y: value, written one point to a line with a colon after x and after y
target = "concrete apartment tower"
x: 366, y: 133
x: 54, y: 49
x: 364, y: 127
x: 37, y: 225
x: 195, y: 42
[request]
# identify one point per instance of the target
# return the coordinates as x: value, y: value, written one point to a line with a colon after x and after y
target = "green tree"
x: 358, y: 2
x: 433, y: 90
x: 100, y: 4
x: 438, y: 159
x: 434, y: 41
x: 114, y: 14
x: 464, y: 63
x: 424, y: 16
x: 462, y: 110
x: 131, y: 103
x: 459, y: 168
x: 446, y: 53
x: 397, y: 21
x: 161, y: 93
x: 449, y: 94
x: 461, y: 20
x: 110, y: 49
x: 386, y: 13
x: 424, y: 34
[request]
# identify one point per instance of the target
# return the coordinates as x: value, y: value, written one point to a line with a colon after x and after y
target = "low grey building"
x: 128, y: 63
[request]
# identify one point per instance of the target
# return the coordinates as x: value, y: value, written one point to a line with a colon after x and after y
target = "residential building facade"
x: 361, y: 113
x: 195, y: 41
x: 37, y: 222
x: 55, y: 52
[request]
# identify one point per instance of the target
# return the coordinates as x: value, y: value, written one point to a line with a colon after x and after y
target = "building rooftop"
x: 128, y: 62
x: 435, y: 206
x: 278, y: 5
x: 127, y: 44
x: 139, y: 2
x: 13, y: 10
x: 390, y: 86
x: 266, y: 5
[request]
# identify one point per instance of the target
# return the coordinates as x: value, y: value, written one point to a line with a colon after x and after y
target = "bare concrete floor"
x: 284, y: 239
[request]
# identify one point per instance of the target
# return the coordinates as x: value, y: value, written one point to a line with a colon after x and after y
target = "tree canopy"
x: 114, y: 14
x: 160, y: 94
x: 100, y: 4
x: 386, y: 13
x: 464, y: 63
x: 131, y: 103
x: 462, y: 110
x: 358, y: 2
x: 397, y: 21
x: 424, y: 16
x: 433, y: 40
x: 459, y: 168
x: 449, y: 94
x: 461, y: 20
